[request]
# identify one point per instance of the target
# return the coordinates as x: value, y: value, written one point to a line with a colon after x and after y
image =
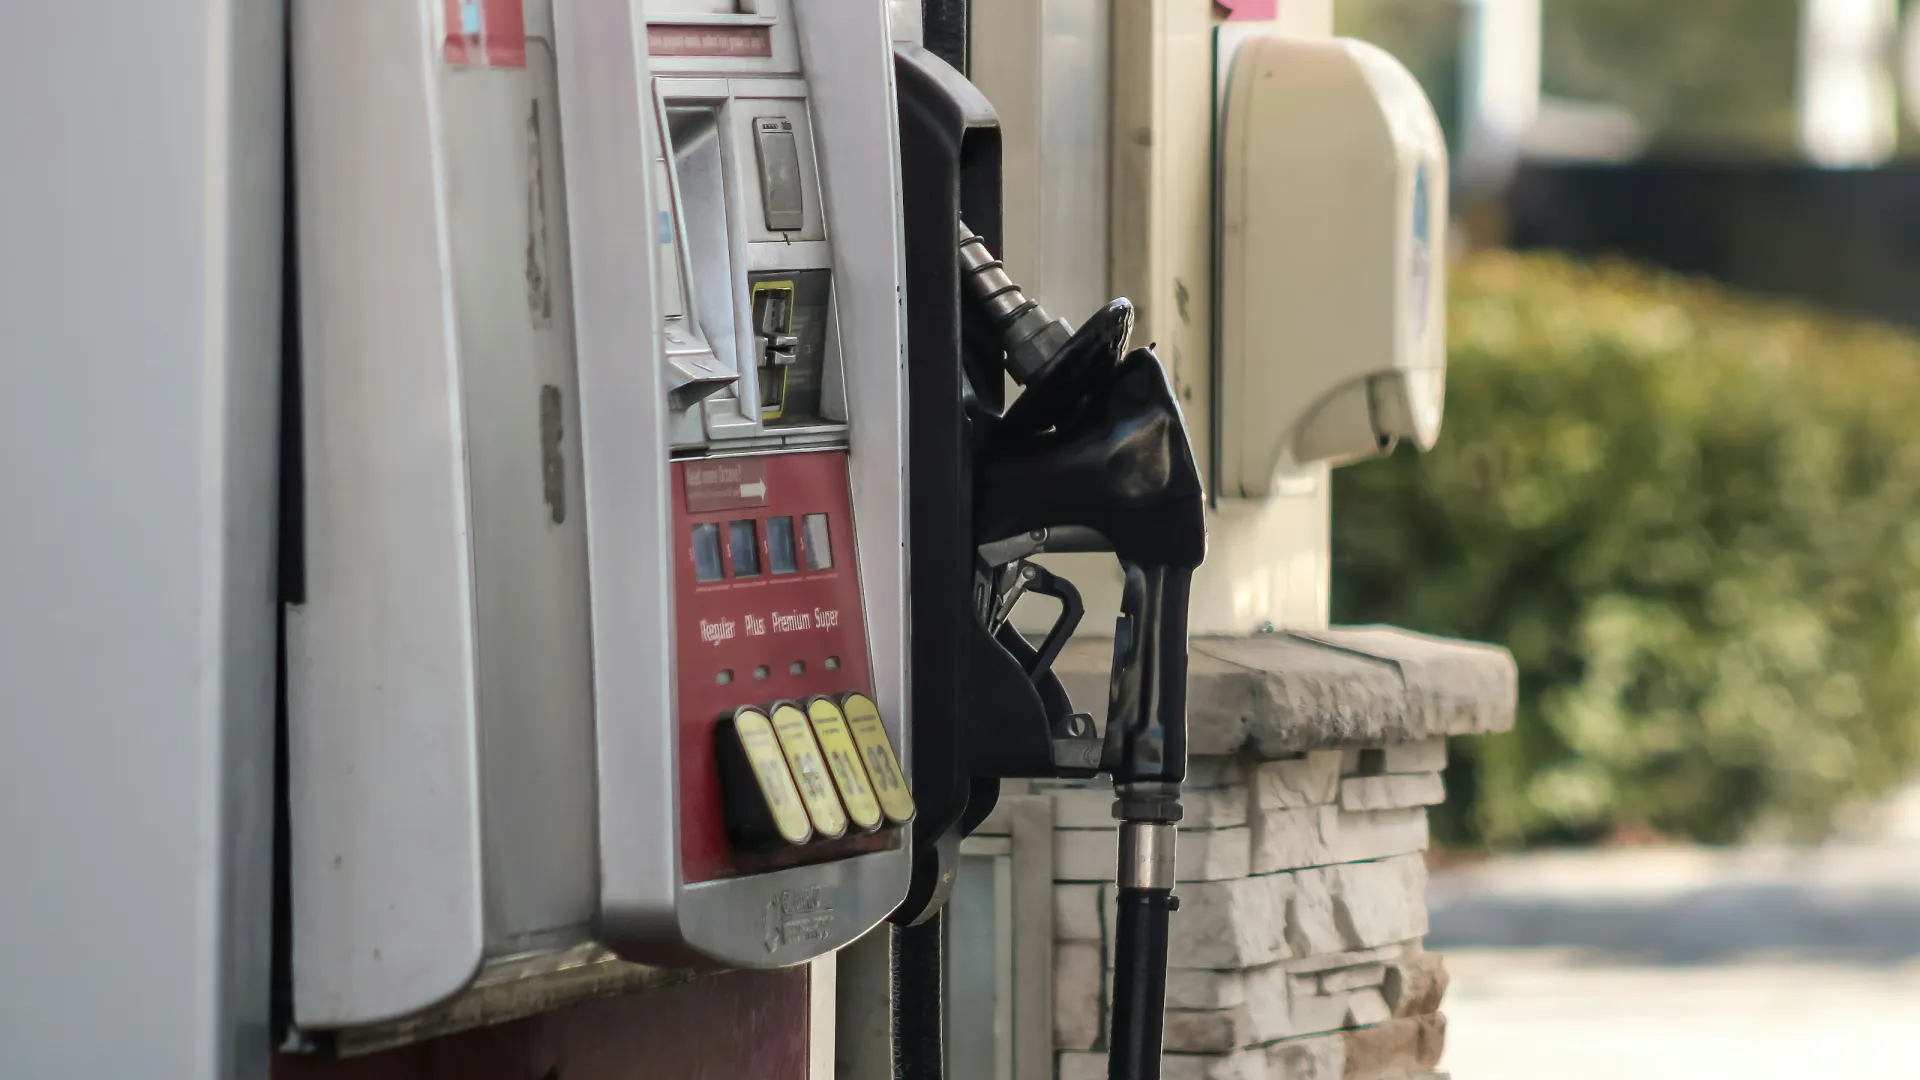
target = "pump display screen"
x: 780, y: 550
x: 819, y: 543
x: 743, y: 540
x: 706, y: 553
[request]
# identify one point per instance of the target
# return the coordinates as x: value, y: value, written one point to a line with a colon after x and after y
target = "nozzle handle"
x: 1147, y: 698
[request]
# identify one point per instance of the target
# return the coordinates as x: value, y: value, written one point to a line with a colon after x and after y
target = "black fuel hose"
x: 1139, y: 983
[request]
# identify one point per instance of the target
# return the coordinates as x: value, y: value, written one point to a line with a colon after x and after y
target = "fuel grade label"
x: 809, y: 771
x: 843, y: 761
x: 876, y: 751
x: 763, y: 752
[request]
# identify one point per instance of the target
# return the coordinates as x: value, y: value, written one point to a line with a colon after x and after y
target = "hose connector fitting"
x: 1029, y: 334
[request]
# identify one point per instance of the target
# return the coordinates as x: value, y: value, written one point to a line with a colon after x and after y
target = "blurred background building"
x: 1756, y: 142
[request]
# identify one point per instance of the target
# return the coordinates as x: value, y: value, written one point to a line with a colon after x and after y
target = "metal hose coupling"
x: 1146, y: 855
x: 1030, y: 335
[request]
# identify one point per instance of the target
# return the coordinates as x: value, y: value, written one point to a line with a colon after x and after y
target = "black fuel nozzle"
x: 1095, y: 456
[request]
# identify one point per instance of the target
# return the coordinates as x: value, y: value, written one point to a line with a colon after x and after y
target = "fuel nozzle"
x: 1095, y: 453
x: 1031, y: 336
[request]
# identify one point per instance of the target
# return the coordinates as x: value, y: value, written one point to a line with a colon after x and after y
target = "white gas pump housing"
x: 1332, y: 277
x: 602, y: 639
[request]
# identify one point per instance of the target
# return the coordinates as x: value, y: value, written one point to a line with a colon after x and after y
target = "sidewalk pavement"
x: 1666, y: 963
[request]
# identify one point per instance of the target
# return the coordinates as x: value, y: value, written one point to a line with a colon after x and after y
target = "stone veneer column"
x: 1296, y: 951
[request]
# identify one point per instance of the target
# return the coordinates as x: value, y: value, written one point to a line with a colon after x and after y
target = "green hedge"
x: 1695, y: 519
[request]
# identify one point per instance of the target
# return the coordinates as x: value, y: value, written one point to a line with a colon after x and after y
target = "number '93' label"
x: 876, y: 752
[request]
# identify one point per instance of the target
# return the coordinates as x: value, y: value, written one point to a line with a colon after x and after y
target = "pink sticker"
x: 1250, y: 9
x: 486, y: 33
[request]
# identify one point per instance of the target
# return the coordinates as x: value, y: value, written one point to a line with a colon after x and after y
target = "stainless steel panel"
x: 979, y: 963
x: 1018, y: 999
x: 1032, y: 820
x: 863, y: 1035
x: 791, y: 916
x: 700, y: 181
x: 849, y: 63
x: 608, y: 115
x: 645, y: 913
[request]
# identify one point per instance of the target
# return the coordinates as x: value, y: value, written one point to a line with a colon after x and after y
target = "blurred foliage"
x: 1703, y: 77
x: 1693, y: 516
x: 1707, y: 76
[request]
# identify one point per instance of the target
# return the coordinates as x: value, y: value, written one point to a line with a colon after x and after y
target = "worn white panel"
x: 506, y: 227
x: 383, y: 716
x: 139, y: 372
x: 440, y: 695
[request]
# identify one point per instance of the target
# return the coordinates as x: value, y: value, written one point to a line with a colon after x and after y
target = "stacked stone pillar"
x: 1297, y: 950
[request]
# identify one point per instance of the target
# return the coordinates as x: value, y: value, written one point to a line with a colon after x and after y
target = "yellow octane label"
x: 809, y: 771
x: 876, y: 751
x: 843, y: 761
x: 756, y: 736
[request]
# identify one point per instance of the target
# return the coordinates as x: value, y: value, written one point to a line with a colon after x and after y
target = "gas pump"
x: 618, y: 634
x: 602, y: 640
x: 601, y: 636
x: 1093, y: 456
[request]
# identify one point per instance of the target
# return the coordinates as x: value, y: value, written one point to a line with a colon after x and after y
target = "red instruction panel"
x: 730, y: 41
x: 767, y: 608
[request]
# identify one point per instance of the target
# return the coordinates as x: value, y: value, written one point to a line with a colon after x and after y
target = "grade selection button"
x: 843, y: 761
x: 809, y: 771
x: 763, y: 804
x: 876, y: 752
